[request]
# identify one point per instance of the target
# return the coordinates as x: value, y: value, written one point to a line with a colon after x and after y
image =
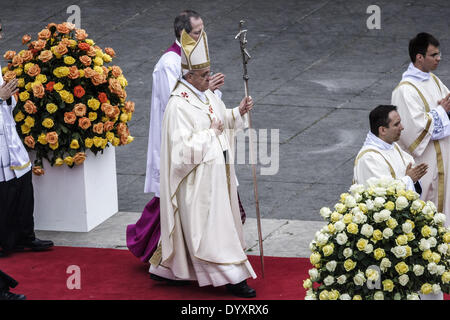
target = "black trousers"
x: 6, y: 281
x: 16, y: 211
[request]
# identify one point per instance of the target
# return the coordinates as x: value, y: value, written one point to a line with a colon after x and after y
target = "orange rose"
x: 91, y: 52
x: 9, y: 75
x: 45, y: 34
x: 37, y: 170
x: 108, y: 126
x: 116, y: 71
x: 98, y: 79
x: 84, y: 46
x: 113, y: 112
x: 114, y: 86
x: 39, y: 44
x: 84, y: 123
x: 89, y: 72
x: 38, y: 90
x: 9, y: 55
x: 30, y: 107
x: 124, y: 139
x: 17, y: 60
x: 61, y: 49
x: 70, y: 117
x: 27, y: 55
x: 45, y: 56
x: 81, y: 34
x: 129, y: 106
x: 52, y: 137
x: 79, y: 109
x: 29, y: 141
x: 79, y: 158
x: 105, y: 70
x: 65, y: 42
x: 86, y: 60
x: 74, y: 73
x: 63, y: 28
x: 26, y: 38
x: 122, y: 129
x: 52, y: 24
x: 34, y: 70
x: 110, y: 51
x: 98, y: 128
x: 122, y: 94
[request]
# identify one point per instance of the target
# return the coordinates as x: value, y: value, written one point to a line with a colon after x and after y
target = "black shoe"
x: 169, y: 281
x: 35, y: 245
x: 241, y: 290
x: 6, y: 295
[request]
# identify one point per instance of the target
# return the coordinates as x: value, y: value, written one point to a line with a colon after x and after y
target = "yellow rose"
x: 379, y: 253
x: 29, y: 121
x: 347, y: 218
x: 48, y: 123
x: 107, y: 58
x: 72, y: 43
x: 388, y: 285
x: 115, y: 142
x: 357, y: 297
x: 389, y: 206
x: 59, y: 162
x: 98, y: 141
x: 110, y: 136
x: 92, y: 116
x: 41, y: 78
x: 335, y: 217
x: 130, y: 139
x: 315, y: 258
x: 363, y: 207
x: 401, y: 268
x: 58, y: 86
x: 25, y: 129
x: 426, y: 288
x: 81, y: 73
x: 68, y: 160
x: 69, y: 60
x: 19, y: 116
x: 349, y: 264
x: 69, y: 98
x: 54, y: 146
x: 340, y: 208
x: 411, y: 195
x: 392, y: 223
x: 18, y: 71
x: 74, y: 144
x: 123, y: 81
x: 88, y: 142
x: 24, y: 95
x: 410, y: 236
x: 362, y: 244
x: 323, y: 295
x: 446, y: 277
x: 327, y: 250
x: 427, y: 255
x: 123, y: 117
x: 21, y: 82
x: 104, y: 143
x: 61, y: 72
x: 446, y: 237
x: 411, y: 223
x: 333, y: 295
x: 98, y: 69
x: 89, y: 42
x: 130, y: 116
x: 98, y: 61
x: 93, y: 103
x: 426, y: 231
x: 401, y: 193
x: 42, y: 139
x: 401, y: 240
x: 377, y: 235
x: 307, y: 284
x: 408, y: 251
x: 435, y: 257
x: 28, y: 66
x: 352, y: 228
x: 28, y: 86
x: 51, y: 107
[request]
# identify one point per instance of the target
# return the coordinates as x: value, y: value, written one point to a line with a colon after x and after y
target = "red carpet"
x: 108, y: 274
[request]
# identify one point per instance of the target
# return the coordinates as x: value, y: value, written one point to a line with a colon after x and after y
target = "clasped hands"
x: 245, y: 106
x: 8, y: 89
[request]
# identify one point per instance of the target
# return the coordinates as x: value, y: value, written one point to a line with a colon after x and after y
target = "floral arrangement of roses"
x: 69, y: 101
x: 381, y: 242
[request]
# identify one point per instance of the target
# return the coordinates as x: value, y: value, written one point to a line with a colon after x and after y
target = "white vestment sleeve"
x: 441, y: 123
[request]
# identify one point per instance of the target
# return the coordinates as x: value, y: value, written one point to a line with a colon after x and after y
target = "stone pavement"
x: 316, y: 71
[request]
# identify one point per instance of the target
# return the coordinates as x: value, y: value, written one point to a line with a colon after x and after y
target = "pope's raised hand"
x: 8, y: 89
x: 217, y: 125
x: 246, y: 105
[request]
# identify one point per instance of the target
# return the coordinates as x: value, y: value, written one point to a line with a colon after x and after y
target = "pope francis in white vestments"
x: 201, y: 229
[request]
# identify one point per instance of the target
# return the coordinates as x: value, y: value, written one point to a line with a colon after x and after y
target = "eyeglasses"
x: 436, y: 55
x: 210, y: 74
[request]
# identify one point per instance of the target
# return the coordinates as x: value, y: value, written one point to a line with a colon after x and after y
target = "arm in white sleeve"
x: 441, y: 128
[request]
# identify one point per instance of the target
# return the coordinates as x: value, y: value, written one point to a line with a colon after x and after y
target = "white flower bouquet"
x: 381, y: 242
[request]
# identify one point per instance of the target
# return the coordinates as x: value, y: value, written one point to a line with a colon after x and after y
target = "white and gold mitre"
x: 194, y: 54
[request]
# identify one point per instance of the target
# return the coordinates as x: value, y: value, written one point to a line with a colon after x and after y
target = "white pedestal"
x: 76, y: 199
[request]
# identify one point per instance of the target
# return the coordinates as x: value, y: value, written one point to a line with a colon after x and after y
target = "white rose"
x: 398, y: 296
x: 359, y: 279
x: 345, y: 296
x: 331, y: 266
x: 427, y: 210
x: 407, y: 227
x: 418, y: 270
x: 433, y: 232
x: 341, y: 238
x: 310, y: 295
x: 416, y: 205
x: 370, y: 205
x: 432, y: 206
x: 380, y: 192
x: 403, y: 279
x: 377, y: 217
x: 356, y: 188
x: 328, y: 280
x: 312, y: 246
x: 432, y: 241
x: 387, y: 233
x: 385, y: 264
x: 378, y: 295
x: 379, y: 202
x: 358, y: 197
x: 322, y: 239
x: 347, y: 253
x: 359, y: 218
x: 341, y: 279
x: 424, y: 244
x: 369, y: 248
x: 367, y: 230
x: 339, y: 225
x: 432, y: 268
x: 313, y: 274
x: 401, y: 203
x: 385, y: 214
x: 443, y: 248
x: 372, y: 182
x: 350, y: 202
x: 439, y: 218
x: 412, y: 296
x: 399, y: 251
x: 440, y: 270
x: 325, y: 212
x: 436, y: 288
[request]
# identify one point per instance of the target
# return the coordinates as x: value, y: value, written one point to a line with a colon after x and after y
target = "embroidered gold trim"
x: 401, y: 156
x: 376, y: 151
x: 20, y: 167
